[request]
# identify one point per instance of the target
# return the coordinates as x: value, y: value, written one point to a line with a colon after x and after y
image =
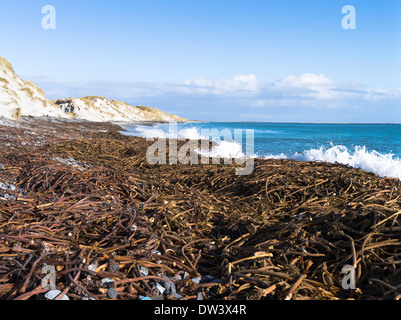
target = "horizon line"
x: 275, y: 122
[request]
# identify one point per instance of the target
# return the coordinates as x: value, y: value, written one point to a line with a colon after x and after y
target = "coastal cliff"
x: 102, y: 109
x: 19, y: 97
x: 23, y: 98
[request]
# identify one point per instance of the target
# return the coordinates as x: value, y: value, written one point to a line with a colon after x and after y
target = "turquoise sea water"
x: 371, y: 147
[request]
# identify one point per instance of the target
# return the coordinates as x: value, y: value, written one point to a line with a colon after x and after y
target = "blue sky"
x: 234, y: 60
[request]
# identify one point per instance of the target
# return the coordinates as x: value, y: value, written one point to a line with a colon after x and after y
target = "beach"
x: 81, y: 197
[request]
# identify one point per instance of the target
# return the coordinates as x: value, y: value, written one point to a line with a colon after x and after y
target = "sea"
x: 371, y: 147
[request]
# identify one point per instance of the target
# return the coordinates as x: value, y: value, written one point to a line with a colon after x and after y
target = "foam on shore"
x: 384, y: 165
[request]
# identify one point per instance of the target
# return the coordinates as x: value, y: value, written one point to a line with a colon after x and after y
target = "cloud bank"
x: 313, y: 93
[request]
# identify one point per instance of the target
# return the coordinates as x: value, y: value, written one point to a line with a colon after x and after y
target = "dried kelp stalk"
x: 284, y: 232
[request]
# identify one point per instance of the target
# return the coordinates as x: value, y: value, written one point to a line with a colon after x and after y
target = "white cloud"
x: 259, y: 103
x: 308, y: 85
x: 242, y: 84
x: 307, y: 80
x: 313, y: 90
x: 199, y: 83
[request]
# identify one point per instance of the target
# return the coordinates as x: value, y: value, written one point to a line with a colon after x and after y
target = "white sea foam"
x: 384, y: 165
x: 148, y: 132
x: 224, y: 149
x: 221, y: 148
x: 158, y: 132
x: 274, y: 156
x: 190, y: 133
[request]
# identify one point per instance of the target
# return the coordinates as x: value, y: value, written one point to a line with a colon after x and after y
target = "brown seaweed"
x: 284, y: 232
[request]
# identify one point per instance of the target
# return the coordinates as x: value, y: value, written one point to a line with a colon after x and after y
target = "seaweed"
x: 287, y: 231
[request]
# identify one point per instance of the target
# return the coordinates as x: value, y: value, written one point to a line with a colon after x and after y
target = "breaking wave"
x: 221, y: 148
x: 384, y: 165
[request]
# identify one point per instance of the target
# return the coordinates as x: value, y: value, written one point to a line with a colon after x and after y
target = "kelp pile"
x: 114, y: 226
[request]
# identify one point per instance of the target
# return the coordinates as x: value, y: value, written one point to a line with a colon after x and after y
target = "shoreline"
x: 85, y: 189
x: 380, y: 159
